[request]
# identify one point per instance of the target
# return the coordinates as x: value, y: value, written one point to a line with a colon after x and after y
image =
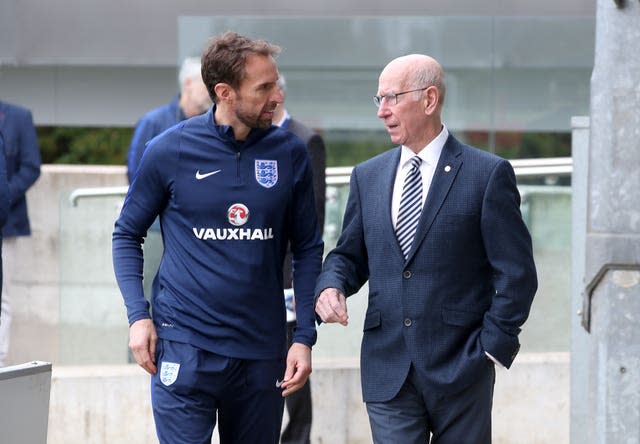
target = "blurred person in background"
x: 22, y: 156
x: 4, y: 202
x: 192, y: 100
x: 299, y: 407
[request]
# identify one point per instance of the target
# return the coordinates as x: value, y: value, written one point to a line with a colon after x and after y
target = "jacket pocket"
x: 461, y: 318
x: 371, y: 321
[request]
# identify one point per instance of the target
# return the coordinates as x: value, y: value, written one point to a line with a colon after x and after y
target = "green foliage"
x: 536, y: 145
x: 109, y: 145
x: 84, y: 145
x: 348, y: 148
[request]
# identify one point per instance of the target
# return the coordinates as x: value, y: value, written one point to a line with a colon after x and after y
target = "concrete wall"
x: 110, y: 403
x: 39, y: 271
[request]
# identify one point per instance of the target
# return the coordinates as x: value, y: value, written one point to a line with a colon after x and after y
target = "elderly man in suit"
x: 435, y: 227
x: 22, y: 154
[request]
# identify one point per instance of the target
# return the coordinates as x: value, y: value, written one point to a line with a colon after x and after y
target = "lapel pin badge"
x: 447, y: 169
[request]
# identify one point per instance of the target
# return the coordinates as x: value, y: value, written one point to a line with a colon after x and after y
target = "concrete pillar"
x: 580, y: 339
x: 612, y: 295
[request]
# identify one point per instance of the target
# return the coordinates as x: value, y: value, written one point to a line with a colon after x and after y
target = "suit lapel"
x: 446, y: 171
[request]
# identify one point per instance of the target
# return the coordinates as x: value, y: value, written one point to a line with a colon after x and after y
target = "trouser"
x: 8, y: 267
x: 417, y: 412
x: 192, y: 386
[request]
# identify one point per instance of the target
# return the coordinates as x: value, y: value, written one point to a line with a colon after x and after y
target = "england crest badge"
x: 267, y: 172
x: 169, y: 372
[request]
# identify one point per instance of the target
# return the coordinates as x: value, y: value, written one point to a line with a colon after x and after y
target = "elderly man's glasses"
x: 392, y: 99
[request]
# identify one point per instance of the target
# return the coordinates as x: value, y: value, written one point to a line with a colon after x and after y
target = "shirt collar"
x: 430, y: 154
x: 284, y: 122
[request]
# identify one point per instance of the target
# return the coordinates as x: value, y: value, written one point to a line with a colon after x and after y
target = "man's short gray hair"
x: 190, y: 69
x: 282, y: 83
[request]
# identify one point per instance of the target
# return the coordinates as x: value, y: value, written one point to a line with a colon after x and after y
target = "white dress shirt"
x: 430, y: 155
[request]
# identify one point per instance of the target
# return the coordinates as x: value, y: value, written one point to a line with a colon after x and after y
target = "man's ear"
x: 432, y: 96
x: 223, y: 91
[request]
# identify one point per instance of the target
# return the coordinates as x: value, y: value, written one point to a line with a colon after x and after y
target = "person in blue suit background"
x: 4, y: 202
x: 446, y: 299
x: 192, y: 100
x: 22, y: 155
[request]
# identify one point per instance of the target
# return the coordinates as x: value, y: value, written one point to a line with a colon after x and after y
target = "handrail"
x: 81, y: 193
x: 557, y: 166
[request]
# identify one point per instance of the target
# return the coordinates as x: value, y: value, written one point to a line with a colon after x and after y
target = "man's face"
x: 258, y: 95
x: 404, y: 120
x: 196, y: 97
x: 200, y: 95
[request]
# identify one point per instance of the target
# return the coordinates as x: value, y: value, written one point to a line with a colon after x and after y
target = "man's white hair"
x: 190, y: 69
x: 282, y: 83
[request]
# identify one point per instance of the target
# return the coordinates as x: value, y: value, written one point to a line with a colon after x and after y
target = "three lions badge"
x: 267, y: 172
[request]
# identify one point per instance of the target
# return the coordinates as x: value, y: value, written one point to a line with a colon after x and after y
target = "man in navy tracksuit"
x: 231, y: 191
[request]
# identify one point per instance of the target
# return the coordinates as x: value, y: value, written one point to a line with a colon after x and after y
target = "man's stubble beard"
x: 251, y: 120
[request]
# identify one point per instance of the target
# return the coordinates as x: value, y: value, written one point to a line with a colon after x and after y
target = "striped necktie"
x: 410, y: 207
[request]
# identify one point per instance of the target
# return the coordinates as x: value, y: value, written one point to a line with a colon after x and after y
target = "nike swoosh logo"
x: 205, y: 175
x: 279, y: 383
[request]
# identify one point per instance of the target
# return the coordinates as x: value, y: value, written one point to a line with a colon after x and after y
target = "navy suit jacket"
x: 466, y: 287
x: 149, y: 126
x: 4, y: 202
x: 4, y: 189
x: 23, y: 164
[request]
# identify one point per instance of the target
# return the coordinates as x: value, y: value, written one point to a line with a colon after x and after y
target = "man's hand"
x: 298, y: 368
x: 332, y: 306
x: 142, y: 342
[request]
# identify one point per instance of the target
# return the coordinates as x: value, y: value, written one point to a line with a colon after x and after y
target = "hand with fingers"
x: 332, y: 306
x: 142, y: 342
x: 298, y: 368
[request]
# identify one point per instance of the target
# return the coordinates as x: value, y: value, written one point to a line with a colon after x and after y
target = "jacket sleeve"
x: 509, y: 250
x: 144, y: 202
x: 29, y: 159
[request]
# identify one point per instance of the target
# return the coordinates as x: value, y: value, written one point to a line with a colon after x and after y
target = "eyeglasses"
x: 392, y: 99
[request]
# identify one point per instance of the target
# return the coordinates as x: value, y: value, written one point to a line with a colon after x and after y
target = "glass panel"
x: 502, y: 73
x: 547, y: 211
x: 93, y: 323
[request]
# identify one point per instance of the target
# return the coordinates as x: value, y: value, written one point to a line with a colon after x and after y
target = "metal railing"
x: 529, y: 168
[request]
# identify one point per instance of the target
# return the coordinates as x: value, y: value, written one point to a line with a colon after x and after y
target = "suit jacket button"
x: 406, y: 274
x: 407, y: 322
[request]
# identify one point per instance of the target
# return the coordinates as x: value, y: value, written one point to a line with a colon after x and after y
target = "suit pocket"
x: 461, y: 318
x: 371, y: 321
